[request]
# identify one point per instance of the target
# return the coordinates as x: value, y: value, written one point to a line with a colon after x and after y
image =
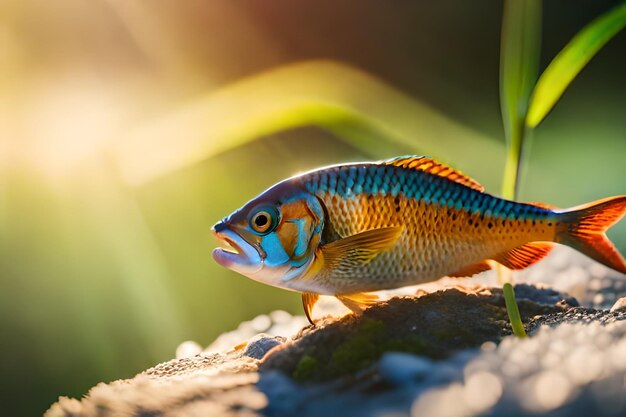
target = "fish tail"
x: 583, y: 228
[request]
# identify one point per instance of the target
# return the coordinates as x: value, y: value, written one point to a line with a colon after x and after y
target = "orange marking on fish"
x: 349, y: 229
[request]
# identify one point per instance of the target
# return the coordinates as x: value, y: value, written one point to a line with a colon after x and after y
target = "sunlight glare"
x: 69, y: 122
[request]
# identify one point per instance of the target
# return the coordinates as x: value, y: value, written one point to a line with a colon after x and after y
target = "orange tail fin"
x: 583, y: 228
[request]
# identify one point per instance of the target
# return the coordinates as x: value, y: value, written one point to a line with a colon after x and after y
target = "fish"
x: 352, y: 229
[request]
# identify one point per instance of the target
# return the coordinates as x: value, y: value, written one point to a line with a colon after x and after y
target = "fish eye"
x: 263, y: 221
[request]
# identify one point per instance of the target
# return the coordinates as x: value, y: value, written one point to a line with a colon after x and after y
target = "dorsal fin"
x: 430, y: 166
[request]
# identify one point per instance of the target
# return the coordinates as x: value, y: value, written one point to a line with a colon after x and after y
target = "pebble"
x: 598, y: 299
x: 619, y: 305
x: 261, y: 323
x: 188, y: 349
x: 402, y: 368
x: 280, y: 316
x: 277, y: 323
x: 262, y: 343
x: 283, y: 394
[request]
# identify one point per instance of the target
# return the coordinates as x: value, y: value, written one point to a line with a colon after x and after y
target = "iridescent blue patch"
x: 379, y: 180
x: 276, y: 254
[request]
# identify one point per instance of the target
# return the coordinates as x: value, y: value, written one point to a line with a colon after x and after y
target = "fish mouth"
x: 228, y: 245
x: 235, y: 252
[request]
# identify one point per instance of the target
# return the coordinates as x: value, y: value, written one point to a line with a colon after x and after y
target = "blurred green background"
x: 127, y: 128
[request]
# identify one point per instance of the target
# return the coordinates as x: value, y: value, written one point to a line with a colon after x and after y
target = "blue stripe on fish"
x: 271, y: 244
x: 347, y: 181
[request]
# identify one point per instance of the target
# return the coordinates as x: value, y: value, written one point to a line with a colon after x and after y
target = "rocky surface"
x: 444, y: 353
x: 434, y: 325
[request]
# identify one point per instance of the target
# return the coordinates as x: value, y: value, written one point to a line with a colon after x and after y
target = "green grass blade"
x: 519, y: 59
x: 352, y: 104
x: 519, y: 65
x: 571, y: 60
x: 513, y: 311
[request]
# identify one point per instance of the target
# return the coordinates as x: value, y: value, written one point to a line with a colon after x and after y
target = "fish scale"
x: 348, y: 229
x: 363, y: 198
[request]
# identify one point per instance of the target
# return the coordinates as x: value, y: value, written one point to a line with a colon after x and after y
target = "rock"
x: 543, y: 295
x: 447, y: 353
x: 188, y: 349
x: 576, y: 315
x: 620, y: 305
x: 185, y: 395
x: 435, y: 325
x: 402, y: 368
x: 262, y: 343
x: 560, y: 371
x: 277, y: 323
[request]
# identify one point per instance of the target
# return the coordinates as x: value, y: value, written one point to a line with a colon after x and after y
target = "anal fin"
x: 358, y: 302
x: 308, y: 302
x: 524, y: 256
x: 470, y: 270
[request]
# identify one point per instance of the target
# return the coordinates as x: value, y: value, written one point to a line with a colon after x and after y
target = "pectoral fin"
x: 359, y: 301
x: 360, y: 248
x: 308, y: 302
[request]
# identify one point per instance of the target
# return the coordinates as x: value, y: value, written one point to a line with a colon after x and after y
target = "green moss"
x: 412, y: 344
x: 434, y: 326
x: 366, y: 344
x: 359, y: 350
x: 305, y: 368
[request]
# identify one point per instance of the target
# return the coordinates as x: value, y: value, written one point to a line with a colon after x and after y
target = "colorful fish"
x: 346, y: 230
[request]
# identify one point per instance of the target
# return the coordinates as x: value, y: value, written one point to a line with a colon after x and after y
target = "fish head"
x: 273, y: 238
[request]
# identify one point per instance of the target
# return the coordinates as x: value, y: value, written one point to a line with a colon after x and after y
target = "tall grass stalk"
x: 519, y: 60
x: 525, y: 101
